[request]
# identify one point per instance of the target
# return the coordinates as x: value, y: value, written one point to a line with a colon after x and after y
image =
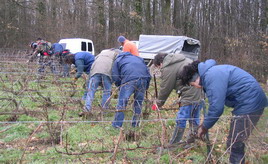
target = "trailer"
x: 150, y: 45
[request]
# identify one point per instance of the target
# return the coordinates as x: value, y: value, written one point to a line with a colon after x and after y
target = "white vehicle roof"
x: 78, y: 45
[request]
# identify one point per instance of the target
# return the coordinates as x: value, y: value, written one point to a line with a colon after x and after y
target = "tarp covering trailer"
x: 150, y: 45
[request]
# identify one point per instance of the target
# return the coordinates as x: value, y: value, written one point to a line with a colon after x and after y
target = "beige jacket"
x: 103, y: 62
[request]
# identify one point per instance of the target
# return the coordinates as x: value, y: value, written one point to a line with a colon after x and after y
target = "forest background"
x: 231, y: 31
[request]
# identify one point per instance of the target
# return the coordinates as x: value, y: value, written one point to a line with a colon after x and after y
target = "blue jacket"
x: 128, y: 67
x: 83, y: 62
x: 57, y: 48
x: 231, y: 86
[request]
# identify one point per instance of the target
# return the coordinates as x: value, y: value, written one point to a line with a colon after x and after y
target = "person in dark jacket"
x: 101, y: 74
x: 65, y: 68
x: 131, y: 74
x: 56, y: 52
x: 231, y: 86
x: 190, y: 98
x: 83, y: 62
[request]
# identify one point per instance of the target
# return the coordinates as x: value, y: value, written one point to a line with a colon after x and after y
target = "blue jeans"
x: 66, y: 70
x: 45, y: 61
x: 190, y: 113
x: 136, y: 87
x: 94, y: 83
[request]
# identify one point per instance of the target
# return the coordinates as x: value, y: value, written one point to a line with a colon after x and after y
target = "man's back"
x: 172, y: 66
x: 103, y: 62
x: 43, y: 46
x: 130, y: 47
x: 83, y: 62
x: 128, y: 67
x: 57, y: 48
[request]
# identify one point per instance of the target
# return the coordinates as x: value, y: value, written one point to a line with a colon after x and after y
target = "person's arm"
x: 216, y: 87
x: 116, y: 74
x: 90, y: 64
x: 168, y: 81
x: 80, y: 64
x: 126, y: 47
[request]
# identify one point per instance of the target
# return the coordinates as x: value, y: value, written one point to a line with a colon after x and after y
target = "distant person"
x: 57, y: 49
x: 33, y: 46
x: 43, y: 48
x: 231, y: 86
x: 101, y: 74
x: 132, y: 76
x: 128, y: 46
x: 83, y: 62
x: 65, y: 67
x: 190, y: 98
x: 56, y: 53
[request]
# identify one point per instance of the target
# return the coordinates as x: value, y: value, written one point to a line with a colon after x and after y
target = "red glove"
x: 201, y: 131
x: 154, y: 107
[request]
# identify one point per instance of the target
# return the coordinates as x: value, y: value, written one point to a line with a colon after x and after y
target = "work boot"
x: 176, y: 139
x: 86, y: 114
x: 177, y: 136
x: 191, y: 135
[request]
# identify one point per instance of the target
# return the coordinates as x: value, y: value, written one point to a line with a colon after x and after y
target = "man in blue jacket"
x: 130, y: 73
x: 83, y: 62
x: 231, y: 86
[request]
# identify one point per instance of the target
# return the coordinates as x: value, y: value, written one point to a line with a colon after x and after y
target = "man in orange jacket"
x: 128, y: 46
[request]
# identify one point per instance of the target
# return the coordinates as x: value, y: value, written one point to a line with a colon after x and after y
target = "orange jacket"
x: 130, y: 47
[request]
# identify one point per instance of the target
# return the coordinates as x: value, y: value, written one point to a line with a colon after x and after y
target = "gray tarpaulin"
x: 150, y: 45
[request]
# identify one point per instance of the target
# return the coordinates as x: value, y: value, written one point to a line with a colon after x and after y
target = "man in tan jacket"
x: 190, y: 97
x: 100, y: 74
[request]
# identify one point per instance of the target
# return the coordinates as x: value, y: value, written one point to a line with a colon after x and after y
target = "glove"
x: 201, y: 131
x: 154, y: 107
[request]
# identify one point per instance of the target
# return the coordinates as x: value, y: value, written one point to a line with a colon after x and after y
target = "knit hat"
x: 121, y: 39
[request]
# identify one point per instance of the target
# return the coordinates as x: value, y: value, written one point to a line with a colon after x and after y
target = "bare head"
x: 159, y: 58
x: 189, y: 75
x: 69, y: 59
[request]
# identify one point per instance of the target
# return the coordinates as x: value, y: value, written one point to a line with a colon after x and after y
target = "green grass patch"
x: 15, y: 133
x: 10, y: 155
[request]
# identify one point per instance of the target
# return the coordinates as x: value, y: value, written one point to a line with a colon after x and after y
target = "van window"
x: 83, y: 46
x: 190, y: 47
x: 89, y: 47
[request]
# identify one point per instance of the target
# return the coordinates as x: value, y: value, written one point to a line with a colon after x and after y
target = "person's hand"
x: 201, y: 131
x: 73, y: 71
x: 85, y: 76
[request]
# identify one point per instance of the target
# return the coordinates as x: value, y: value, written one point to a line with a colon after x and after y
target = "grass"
x: 80, y: 137
x: 15, y: 133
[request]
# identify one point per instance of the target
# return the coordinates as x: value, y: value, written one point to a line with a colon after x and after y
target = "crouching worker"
x: 101, y: 74
x: 56, y: 51
x: 132, y: 76
x: 190, y: 98
x: 231, y: 86
x: 83, y: 62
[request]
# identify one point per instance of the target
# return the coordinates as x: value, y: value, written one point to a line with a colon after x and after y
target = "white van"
x: 78, y: 45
